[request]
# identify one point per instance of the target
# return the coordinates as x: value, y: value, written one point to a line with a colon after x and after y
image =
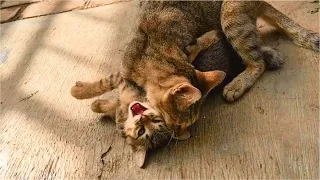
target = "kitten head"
x: 180, y: 105
x: 144, y: 129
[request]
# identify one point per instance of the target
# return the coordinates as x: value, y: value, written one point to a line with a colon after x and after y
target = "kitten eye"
x: 156, y: 120
x: 141, y: 131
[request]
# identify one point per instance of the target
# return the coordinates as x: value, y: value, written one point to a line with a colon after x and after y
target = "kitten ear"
x: 209, y: 80
x: 184, y: 95
x: 139, y: 155
x: 186, y: 135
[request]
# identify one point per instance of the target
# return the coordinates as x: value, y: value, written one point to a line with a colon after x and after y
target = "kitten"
x: 142, y: 126
x: 175, y: 88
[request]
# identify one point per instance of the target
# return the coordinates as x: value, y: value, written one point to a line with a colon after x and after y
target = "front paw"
x: 235, y: 89
x: 96, y: 106
x: 79, y: 91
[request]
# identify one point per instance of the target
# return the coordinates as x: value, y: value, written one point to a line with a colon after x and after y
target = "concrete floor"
x: 270, y: 133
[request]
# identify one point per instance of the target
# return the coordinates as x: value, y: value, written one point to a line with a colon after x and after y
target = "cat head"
x: 144, y: 129
x: 180, y: 104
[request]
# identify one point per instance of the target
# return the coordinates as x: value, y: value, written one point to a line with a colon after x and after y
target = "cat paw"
x: 79, y: 91
x: 105, y: 106
x: 96, y: 106
x: 234, y: 89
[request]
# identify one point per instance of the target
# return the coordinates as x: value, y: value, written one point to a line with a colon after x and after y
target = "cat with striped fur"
x: 140, y: 124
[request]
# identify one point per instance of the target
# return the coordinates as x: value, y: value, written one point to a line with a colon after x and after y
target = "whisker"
x: 171, y: 137
x: 176, y: 143
x: 166, y: 129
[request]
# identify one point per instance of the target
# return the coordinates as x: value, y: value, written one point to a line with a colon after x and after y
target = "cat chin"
x: 186, y: 135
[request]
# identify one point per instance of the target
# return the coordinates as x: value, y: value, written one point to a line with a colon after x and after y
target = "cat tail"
x: 85, y: 90
x: 300, y: 36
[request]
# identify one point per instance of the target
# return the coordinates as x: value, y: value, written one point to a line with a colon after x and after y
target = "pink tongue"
x: 138, y: 109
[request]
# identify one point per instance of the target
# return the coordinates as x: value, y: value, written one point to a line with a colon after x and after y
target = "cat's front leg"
x: 108, y: 107
x: 203, y: 42
x: 87, y: 90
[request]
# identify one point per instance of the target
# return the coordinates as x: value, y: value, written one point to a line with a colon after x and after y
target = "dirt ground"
x: 270, y: 133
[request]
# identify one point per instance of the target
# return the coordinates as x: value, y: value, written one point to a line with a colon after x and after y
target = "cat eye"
x: 141, y: 131
x: 156, y: 120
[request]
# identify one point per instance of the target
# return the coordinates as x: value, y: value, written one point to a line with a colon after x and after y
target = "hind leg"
x: 241, y: 31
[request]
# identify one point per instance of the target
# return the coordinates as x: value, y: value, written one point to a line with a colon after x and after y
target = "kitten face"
x: 144, y: 129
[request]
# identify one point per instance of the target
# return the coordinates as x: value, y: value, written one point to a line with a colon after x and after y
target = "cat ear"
x: 184, y: 95
x: 139, y: 155
x: 186, y: 135
x: 209, y: 80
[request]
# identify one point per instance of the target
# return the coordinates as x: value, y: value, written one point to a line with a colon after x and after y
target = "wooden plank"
x: 270, y: 133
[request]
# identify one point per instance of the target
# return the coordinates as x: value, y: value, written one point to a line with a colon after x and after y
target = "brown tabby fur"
x: 156, y: 58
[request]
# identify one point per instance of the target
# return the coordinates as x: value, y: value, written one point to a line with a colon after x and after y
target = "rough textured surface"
x: 10, y: 3
x: 47, y: 7
x: 23, y: 9
x: 9, y: 14
x: 271, y: 133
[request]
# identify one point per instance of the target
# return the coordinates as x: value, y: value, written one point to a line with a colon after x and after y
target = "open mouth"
x: 137, y: 109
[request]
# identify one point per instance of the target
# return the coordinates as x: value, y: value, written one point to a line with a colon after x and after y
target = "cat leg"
x: 203, y: 42
x: 105, y: 106
x: 240, y: 29
x: 86, y: 90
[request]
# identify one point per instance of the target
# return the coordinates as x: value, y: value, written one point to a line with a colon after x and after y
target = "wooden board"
x: 270, y: 133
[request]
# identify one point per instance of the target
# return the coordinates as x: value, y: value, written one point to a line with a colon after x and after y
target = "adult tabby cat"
x: 174, y: 88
